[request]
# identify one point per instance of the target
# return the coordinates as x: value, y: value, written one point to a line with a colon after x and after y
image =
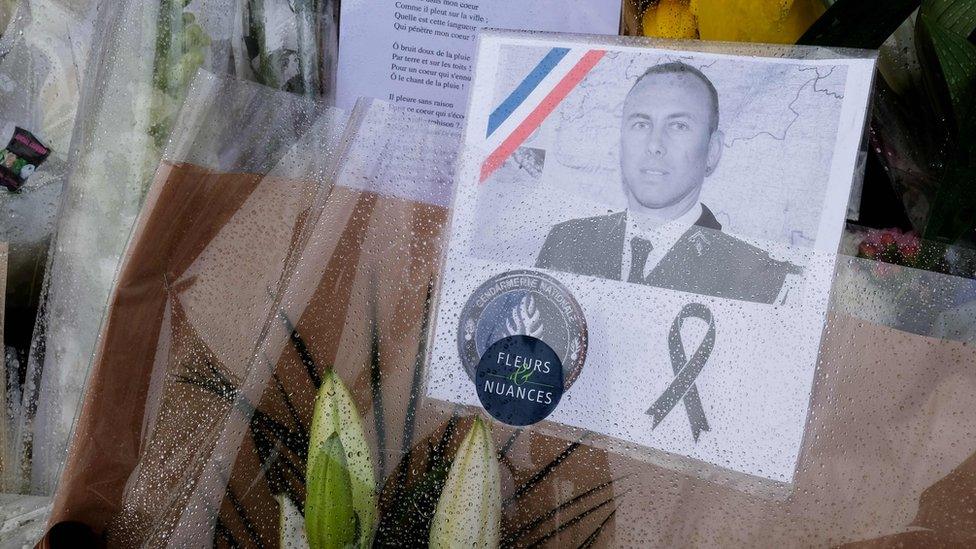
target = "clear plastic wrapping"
x: 135, y: 80
x: 212, y: 242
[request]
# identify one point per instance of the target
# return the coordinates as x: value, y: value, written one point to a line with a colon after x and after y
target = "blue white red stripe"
x: 526, y: 87
x: 533, y: 100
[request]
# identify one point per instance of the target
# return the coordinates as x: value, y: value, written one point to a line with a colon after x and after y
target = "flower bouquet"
x: 260, y: 380
x: 281, y: 398
x: 923, y: 128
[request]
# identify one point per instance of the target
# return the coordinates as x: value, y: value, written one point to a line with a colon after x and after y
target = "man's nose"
x: 655, y: 143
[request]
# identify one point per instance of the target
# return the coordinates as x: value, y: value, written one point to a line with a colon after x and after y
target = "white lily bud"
x: 469, y: 510
x: 291, y: 529
x: 335, y: 414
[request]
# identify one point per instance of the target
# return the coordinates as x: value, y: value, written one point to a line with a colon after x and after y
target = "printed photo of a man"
x: 670, y: 142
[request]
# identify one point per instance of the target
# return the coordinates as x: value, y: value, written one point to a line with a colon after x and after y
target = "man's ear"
x: 715, y: 145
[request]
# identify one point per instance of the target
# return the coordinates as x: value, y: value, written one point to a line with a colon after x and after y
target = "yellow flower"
x: 469, y: 511
x: 768, y: 21
x: 670, y: 19
x: 335, y: 416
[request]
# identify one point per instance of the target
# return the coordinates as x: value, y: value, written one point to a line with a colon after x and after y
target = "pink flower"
x: 882, y: 237
x: 909, y: 245
x: 868, y: 250
x: 888, y: 238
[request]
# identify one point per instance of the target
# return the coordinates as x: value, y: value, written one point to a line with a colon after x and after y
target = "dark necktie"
x: 639, y: 250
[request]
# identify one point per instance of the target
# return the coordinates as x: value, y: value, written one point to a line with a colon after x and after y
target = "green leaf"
x: 406, y: 445
x: 265, y: 72
x: 575, y: 520
x: 376, y: 381
x: 225, y: 534
x: 503, y: 453
x: 330, y: 521
x: 406, y: 523
x: 242, y: 514
x: 307, y: 22
x: 953, y: 214
x: 302, y: 349
x: 858, y: 23
x: 544, y: 472
x: 957, y: 16
x: 591, y: 540
x: 439, y: 452
x: 513, y: 538
x: 957, y: 61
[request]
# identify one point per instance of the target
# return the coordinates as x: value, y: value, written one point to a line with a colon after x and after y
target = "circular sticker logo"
x: 523, y: 303
x: 519, y: 380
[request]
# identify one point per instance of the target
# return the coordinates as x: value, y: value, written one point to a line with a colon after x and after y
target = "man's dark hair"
x: 677, y: 67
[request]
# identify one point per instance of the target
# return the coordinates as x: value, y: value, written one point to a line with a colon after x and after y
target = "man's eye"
x: 641, y: 125
x: 680, y: 126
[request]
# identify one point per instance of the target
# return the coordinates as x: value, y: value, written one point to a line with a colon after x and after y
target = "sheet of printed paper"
x: 419, y: 53
x: 643, y: 242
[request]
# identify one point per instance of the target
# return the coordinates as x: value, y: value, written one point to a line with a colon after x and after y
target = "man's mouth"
x: 654, y: 172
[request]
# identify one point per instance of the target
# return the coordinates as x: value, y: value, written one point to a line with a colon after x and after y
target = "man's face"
x: 666, y: 142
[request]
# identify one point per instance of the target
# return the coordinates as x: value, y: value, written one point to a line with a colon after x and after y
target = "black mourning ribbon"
x: 686, y: 371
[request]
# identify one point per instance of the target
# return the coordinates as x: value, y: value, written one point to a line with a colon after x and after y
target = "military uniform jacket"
x: 704, y: 260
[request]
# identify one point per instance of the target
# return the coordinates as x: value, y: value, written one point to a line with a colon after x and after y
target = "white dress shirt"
x: 663, y: 236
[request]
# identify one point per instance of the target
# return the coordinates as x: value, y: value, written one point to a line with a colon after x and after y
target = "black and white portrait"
x: 670, y: 142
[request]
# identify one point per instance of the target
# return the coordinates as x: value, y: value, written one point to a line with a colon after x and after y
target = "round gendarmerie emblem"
x: 538, y: 307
